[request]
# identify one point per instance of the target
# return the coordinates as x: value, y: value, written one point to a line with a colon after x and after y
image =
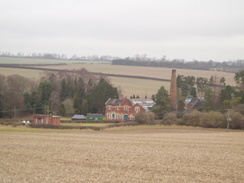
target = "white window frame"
x: 137, y: 109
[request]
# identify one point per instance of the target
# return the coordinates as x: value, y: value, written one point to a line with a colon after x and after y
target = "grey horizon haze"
x: 180, y: 29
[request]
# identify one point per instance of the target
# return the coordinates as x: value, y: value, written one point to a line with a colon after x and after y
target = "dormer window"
x: 137, y: 109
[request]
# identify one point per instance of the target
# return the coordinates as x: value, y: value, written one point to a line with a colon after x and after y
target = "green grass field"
x: 12, y: 60
x: 86, y: 124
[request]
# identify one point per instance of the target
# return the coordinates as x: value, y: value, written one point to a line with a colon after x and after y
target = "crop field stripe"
x: 96, y: 73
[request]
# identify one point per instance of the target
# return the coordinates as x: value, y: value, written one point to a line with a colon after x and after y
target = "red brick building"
x: 125, y: 109
x: 46, y: 119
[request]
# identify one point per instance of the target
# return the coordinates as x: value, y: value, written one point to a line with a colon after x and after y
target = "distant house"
x: 91, y: 116
x: 46, y: 119
x: 78, y: 117
x: 125, y: 109
x: 194, y: 103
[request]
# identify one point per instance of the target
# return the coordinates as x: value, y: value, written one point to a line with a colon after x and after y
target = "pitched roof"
x: 97, y: 115
x: 144, y: 102
x: 78, y: 117
x: 113, y: 101
x: 195, y: 103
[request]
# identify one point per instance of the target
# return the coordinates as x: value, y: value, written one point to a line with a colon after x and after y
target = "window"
x: 137, y: 109
x: 126, y: 107
x: 39, y: 120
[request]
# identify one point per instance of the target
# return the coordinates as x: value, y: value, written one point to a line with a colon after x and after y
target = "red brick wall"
x: 118, y: 112
x: 173, y: 90
x: 55, y: 121
x: 46, y: 119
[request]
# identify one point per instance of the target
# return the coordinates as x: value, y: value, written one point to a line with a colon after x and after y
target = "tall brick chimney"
x: 173, y: 91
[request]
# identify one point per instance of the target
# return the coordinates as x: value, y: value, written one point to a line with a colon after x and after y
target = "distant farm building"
x: 194, y: 103
x: 91, y: 116
x: 78, y: 117
x: 126, y: 109
x: 46, y: 119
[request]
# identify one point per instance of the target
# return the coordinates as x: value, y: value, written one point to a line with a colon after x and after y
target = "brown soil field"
x: 157, y: 72
x: 128, y: 154
x: 33, y: 74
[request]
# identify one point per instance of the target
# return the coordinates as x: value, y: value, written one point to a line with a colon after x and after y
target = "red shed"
x: 46, y: 119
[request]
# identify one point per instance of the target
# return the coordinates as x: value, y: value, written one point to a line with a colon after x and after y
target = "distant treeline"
x: 139, y: 60
x: 55, y: 56
x: 231, y: 66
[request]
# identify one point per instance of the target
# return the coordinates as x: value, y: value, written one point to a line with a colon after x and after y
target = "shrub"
x: 145, y: 118
x: 204, y: 120
x: 216, y: 120
x: 207, y: 120
x: 170, y: 119
x: 192, y: 119
x: 237, y: 121
x: 240, y: 108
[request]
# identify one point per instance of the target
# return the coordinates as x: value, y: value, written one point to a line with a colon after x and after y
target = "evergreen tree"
x: 209, y: 101
x: 239, y: 78
x: 64, y: 90
x: 193, y: 92
x: 225, y: 96
x: 100, y: 94
x: 201, y: 84
x: 162, y: 101
x: 222, y: 81
x: 45, y: 89
x: 79, y: 96
x: 185, y: 84
x: 36, y: 103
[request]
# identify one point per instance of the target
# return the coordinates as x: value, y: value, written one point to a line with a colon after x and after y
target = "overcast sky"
x: 182, y: 29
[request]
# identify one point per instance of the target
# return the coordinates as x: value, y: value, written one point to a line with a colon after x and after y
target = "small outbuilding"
x: 46, y: 119
x: 91, y: 116
x: 78, y: 117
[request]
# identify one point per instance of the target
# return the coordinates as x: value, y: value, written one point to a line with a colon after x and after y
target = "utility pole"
x: 228, y: 120
x: 14, y: 112
x: 46, y: 108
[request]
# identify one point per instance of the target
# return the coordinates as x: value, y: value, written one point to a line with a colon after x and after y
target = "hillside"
x: 129, y: 86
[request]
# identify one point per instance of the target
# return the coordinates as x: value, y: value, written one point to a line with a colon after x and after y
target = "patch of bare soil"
x: 163, y: 156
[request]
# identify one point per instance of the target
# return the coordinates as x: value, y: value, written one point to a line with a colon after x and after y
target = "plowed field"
x: 132, y: 154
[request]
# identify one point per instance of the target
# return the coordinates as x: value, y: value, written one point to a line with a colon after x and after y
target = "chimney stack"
x: 173, y: 91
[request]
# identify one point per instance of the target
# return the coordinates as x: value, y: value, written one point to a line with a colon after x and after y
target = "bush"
x: 216, y: 120
x: 145, y: 118
x: 237, y: 121
x: 192, y: 119
x: 207, y: 120
x: 240, y: 108
x: 204, y: 120
x: 170, y: 119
